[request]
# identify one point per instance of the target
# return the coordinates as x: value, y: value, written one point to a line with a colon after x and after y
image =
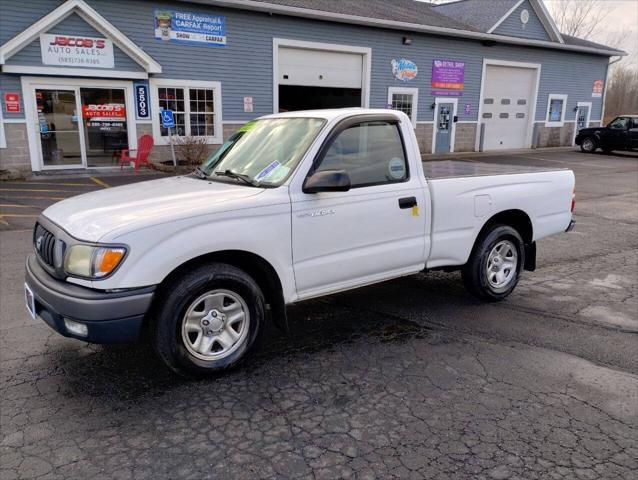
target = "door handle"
x: 407, y: 202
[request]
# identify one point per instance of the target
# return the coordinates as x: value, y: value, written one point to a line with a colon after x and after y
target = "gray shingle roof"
x: 475, y: 16
x: 408, y: 11
x: 569, y: 40
x: 481, y: 14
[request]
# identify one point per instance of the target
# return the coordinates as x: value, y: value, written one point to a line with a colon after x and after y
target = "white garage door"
x: 507, y: 107
x: 318, y: 68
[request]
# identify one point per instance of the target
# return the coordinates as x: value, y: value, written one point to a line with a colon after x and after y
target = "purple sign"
x: 468, y: 109
x: 446, y: 93
x: 448, y: 74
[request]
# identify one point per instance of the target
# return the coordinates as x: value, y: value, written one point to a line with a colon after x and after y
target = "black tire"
x: 476, y: 274
x: 588, y: 145
x: 179, y: 296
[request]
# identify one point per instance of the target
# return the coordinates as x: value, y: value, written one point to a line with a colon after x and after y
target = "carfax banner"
x: 190, y: 27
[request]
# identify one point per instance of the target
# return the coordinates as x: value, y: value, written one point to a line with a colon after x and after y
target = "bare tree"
x: 579, y: 18
x: 622, y: 93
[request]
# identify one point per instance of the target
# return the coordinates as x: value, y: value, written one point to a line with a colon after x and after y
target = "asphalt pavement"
x: 412, y: 378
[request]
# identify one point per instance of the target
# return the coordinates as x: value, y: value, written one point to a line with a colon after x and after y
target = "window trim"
x: 351, y: 122
x: 3, y: 138
x: 415, y: 100
x: 556, y: 96
x: 156, y: 83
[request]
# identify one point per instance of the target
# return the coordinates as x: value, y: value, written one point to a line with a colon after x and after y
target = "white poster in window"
x: 76, y: 51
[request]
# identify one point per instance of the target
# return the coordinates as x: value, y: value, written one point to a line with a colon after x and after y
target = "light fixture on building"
x: 407, y: 41
x: 575, y: 109
x: 433, y: 106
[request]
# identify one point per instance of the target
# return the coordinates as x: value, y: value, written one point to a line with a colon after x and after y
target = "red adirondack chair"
x: 144, y: 147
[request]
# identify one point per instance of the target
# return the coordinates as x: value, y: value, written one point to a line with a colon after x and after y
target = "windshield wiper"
x: 199, y: 173
x: 239, y: 176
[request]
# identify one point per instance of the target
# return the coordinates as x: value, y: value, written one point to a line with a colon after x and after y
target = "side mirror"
x: 327, y: 181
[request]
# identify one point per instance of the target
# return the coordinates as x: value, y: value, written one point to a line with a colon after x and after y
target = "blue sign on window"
x: 142, y: 104
x: 168, y: 120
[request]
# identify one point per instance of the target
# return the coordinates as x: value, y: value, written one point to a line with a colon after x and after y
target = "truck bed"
x: 459, y: 168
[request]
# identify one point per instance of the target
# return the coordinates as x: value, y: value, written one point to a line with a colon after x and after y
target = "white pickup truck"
x: 293, y: 206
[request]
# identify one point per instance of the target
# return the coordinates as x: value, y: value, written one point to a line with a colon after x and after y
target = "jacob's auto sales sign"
x: 76, y: 51
x: 104, y: 111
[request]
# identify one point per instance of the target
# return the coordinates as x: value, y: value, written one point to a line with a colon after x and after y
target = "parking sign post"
x: 168, y: 121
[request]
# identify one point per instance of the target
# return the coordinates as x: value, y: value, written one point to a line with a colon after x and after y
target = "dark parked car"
x: 620, y: 134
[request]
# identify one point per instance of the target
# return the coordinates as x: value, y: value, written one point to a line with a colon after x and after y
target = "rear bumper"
x: 571, y: 226
x: 110, y: 317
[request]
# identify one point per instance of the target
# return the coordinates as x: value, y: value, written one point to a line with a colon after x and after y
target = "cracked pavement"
x: 412, y: 378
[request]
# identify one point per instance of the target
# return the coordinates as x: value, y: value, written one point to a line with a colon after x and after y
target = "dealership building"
x: 82, y: 80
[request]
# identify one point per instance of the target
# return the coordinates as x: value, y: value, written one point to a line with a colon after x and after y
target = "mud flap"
x: 530, y: 257
x: 279, y: 316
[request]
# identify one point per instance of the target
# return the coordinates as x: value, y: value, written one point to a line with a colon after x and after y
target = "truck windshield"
x: 264, y: 152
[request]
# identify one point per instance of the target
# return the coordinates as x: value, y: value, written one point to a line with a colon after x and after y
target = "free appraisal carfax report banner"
x: 190, y: 27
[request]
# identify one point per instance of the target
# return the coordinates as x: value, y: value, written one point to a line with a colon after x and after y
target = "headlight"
x: 92, y: 262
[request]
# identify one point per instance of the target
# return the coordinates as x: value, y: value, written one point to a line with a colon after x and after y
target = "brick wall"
x: 465, y: 137
x: 423, y: 133
x: 16, y: 155
x: 555, y: 136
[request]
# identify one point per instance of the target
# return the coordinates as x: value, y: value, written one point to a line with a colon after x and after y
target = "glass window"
x: 505, y: 101
x: 173, y: 99
x: 105, y: 125
x: 402, y: 102
x: 371, y: 152
x: 522, y: 101
x: 266, y: 151
x: 504, y: 115
x: 488, y: 101
x: 199, y: 110
x: 487, y: 115
x: 520, y: 115
x: 619, y: 123
x: 556, y: 109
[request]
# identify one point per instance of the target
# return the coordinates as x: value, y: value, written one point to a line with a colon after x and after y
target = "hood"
x: 92, y: 215
x: 590, y: 130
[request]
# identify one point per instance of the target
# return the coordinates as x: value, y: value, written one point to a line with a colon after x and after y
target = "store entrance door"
x: 59, y: 127
x: 80, y: 126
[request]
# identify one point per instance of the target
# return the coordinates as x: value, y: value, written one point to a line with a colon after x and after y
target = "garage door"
x: 310, y: 79
x: 319, y: 68
x: 507, y: 107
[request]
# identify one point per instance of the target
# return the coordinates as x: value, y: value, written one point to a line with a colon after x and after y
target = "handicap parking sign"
x: 168, y: 121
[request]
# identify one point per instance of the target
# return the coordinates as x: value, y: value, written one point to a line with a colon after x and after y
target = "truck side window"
x: 619, y: 124
x: 371, y: 152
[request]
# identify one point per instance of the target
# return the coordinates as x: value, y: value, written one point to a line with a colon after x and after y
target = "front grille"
x: 44, y: 244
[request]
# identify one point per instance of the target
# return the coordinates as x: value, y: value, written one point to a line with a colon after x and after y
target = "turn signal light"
x: 106, y: 259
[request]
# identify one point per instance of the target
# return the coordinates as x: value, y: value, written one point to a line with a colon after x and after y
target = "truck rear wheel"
x: 495, y: 264
x: 208, y: 320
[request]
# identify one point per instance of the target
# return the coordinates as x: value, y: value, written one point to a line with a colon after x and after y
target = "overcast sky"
x: 622, y: 16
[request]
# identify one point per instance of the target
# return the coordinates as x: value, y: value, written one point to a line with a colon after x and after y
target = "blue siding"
x: 72, y: 25
x: 11, y: 83
x: 244, y: 67
x: 513, y: 26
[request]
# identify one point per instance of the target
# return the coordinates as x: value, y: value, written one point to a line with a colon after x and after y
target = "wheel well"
x: 517, y: 219
x: 257, y: 267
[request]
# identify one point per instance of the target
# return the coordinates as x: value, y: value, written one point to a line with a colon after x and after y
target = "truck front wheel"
x: 208, y: 319
x: 495, y: 264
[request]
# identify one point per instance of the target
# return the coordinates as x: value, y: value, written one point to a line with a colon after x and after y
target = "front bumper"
x: 111, y: 317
